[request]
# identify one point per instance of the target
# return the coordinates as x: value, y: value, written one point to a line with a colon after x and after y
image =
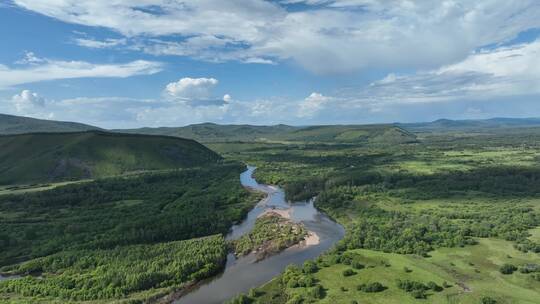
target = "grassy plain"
x: 472, y: 272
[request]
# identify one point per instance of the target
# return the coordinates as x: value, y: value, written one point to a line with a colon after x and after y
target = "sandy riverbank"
x: 311, y: 239
x: 285, y: 213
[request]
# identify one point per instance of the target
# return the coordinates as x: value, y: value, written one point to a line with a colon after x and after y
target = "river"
x: 244, y: 273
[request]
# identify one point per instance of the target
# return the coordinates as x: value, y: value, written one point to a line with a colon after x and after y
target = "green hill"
x: 10, y: 124
x: 388, y: 134
x: 212, y: 133
x: 47, y: 157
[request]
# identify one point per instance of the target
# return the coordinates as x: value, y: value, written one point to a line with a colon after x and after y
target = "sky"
x: 127, y: 64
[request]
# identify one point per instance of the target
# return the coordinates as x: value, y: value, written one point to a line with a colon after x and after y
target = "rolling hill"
x: 47, y: 157
x: 212, y: 133
x: 10, y: 124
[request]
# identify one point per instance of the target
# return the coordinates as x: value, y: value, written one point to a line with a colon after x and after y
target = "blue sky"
x: 123, y: 64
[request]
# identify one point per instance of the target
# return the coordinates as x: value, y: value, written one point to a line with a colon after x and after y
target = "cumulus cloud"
x: 27, y: 101
x: 227, y: 98
x: 312, y: 104
x: 191, y: 88
x: 323, y: 38
x: 42, y: 69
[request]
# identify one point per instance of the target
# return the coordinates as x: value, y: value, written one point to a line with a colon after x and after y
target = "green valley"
x: 431, y: 213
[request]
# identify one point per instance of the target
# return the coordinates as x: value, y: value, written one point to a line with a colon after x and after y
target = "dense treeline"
x: 419, y: 233
x: 83, y: 275
x: 121, y: 237
x: 106, y: 213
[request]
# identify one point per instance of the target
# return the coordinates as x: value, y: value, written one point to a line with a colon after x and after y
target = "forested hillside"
x: 10, y: 124
x: 117, y: 238
x: 49, y: 157
x: 213, y: 133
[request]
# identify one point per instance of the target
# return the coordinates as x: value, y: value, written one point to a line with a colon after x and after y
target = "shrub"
x: 292, y: 283
x: 507, y: 269
x: 529, y: 268
x: 316, y: 292
x: 433, y: 286
x: 296, y: 299
x: 348, y: 272
x: 419, y: 294
x: 357, y: 265
x: 371, y: 287
x: 306, y: 281
x: 410, y: 286
x: 310, y: 267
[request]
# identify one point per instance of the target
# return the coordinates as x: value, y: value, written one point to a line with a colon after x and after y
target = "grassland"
x: 472, y: 272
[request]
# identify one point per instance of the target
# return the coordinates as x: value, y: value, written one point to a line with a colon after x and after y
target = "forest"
x: 76, y: 236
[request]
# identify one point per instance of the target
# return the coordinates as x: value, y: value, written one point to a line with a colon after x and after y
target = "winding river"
x: 244, y: 273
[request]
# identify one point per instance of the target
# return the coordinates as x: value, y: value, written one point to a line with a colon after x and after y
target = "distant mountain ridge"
x: 471, y: 124
x: 48, y: 157
x: 209, y: 133
x: 11, y: 124
x: 212, y: 133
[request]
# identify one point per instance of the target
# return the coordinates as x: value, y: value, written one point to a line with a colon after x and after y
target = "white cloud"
x: 312, y: 104
x: 333, y: 36
x: 505, y: 76
x: 505, y: 71
x: 99, y: 44
x: 191, y: 88
x: 27, y: 101
x: 42, y: 69
x: 30, y: 58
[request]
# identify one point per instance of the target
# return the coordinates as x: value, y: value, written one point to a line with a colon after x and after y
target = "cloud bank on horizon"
x: 169, y: 63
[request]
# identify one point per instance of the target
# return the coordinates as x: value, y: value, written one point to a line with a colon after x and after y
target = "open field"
x: 469, y: 273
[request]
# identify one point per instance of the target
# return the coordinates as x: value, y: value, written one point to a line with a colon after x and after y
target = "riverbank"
x: 246, y: 272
